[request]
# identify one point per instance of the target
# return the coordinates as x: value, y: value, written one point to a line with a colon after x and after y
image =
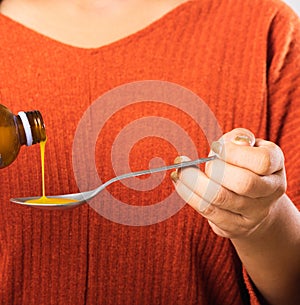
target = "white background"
x: 294, y: 4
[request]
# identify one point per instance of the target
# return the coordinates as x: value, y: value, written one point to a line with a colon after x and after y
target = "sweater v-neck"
x: 21, y: 29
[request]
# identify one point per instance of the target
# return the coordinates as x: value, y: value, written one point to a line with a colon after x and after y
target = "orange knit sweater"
x: 241, y: 57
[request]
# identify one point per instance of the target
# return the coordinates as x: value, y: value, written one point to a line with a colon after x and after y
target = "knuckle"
x: 192, y: 199
x: 282, y: 188
x: 247, y: 185
x: 246, y: 225
x: 264, y: 163
x: 209, y: 211
x: 220, y: 198
x: 271, y: 159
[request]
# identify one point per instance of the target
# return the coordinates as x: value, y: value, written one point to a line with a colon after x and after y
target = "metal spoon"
x: 85, y: 196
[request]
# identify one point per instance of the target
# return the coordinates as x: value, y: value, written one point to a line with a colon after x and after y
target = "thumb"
x: 237, y: 136
x: 240, y: 136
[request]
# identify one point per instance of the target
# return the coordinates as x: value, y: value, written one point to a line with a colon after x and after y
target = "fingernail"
x: 177, y: 160
x: 242, y: 140
x: 174, y: 176
x: 181, y: 159
x: 216, y: 147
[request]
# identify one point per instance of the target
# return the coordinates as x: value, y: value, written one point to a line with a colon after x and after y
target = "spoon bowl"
x: 74, y: 200
x: 67, y: 201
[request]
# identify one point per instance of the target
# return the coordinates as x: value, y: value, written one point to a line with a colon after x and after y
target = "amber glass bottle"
x: 25, y: 128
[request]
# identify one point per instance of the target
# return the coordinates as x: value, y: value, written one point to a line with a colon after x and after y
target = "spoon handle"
x: 167, y: 167
x: 151, y: 171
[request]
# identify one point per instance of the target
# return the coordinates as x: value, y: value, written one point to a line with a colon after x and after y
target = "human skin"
x: 87, y: 23
x: 256, y: 215
x: 242, y: 195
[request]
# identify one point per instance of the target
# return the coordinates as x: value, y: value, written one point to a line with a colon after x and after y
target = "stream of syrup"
x: 44, y: 199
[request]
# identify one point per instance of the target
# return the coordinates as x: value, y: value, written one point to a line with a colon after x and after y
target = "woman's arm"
x: 271, y: 255
x: 242, y: 194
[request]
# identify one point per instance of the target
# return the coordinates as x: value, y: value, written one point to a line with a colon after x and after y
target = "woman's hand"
x: 242, y: 194
x: 238, y: 190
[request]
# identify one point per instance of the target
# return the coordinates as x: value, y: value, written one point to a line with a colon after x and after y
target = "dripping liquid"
x: 44, y: 199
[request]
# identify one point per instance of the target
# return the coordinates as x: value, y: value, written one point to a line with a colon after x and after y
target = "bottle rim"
x: 27, y: 127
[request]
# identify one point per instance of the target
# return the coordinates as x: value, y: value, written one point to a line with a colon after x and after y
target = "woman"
x: 237, y: 242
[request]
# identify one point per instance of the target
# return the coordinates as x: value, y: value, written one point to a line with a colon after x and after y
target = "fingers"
x: 199, y: 190
x: 221, y: 182
x: 235, y: 148
x: 243, y: 181
x: 189, y: 195
x: 237, y: 190
x: 239, y: 136
x: 229, y: 214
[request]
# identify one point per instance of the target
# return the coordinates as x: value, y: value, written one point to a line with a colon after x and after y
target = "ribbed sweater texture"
x: 241, y: 57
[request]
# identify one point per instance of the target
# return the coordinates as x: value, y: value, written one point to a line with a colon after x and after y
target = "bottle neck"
x: 31, y: 127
